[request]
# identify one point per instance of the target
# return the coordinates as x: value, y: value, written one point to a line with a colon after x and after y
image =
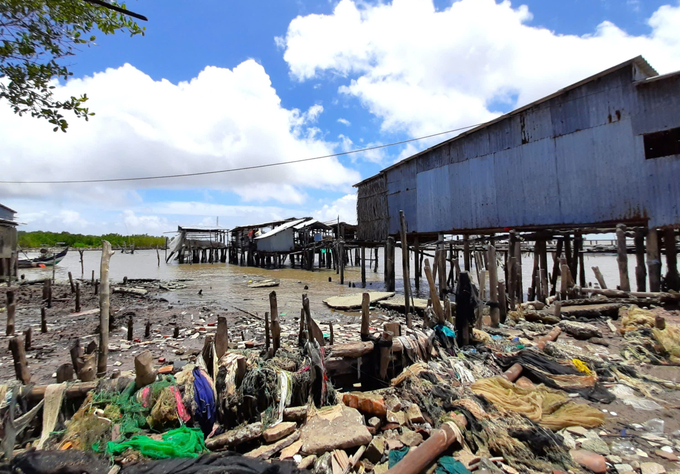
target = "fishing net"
x: 182, y: 442
x: 86, y: 428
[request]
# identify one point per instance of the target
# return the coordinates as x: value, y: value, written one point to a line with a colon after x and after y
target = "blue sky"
x: 215, y: 85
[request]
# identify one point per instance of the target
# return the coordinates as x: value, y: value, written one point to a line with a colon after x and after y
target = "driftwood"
x: 129, y: 291
x: 235, y: 437
x: 16, y: 346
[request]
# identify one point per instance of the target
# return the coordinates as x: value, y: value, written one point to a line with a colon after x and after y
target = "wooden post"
x: 331, y: 335
x: 341, y: 261
x: 77, y: 297
x: 385, y: 354
x: 556, y: 267
x: 275, y: 324
x: 543, y: 256
x: 447, y: 309
x: 436, y: 303
x: 502, y: 301
x: 466, y: 252
x: 363, y: 266
x: 518, y: 269
x: 158, y: 256
x: 375, y: 266
x: 96, y: 287
x: 104, y: 306
x: 28, y: 338
x: 16, y: 346
x: 672, y: 277
x: 653, y: 260
x: 600, y: 278
x: 404, y: 262
x: 389, y: 264
x: 416, y: 251
x: 622, y: 257
x: 640, y: 269
x: 222, y: 337
x: 43, y: 320
x: 65, y: 373
x: 578, y: 245
x: 365, y: 316
x: 313, y: 331
x: 92, y: 277
x: 578, y: 250
x: 130, y: 329
x: 147, y: 330
x: 493, y: 288
x: 267, y: 338
x: 82, y: 265
x: 442, y: 266
x: 70, y: 280
x: 533, y: 293
x: 11, y: 313
x: 54, y: 267
x: 511, y: 282
x: 567, y: 249
x: 564, y: 280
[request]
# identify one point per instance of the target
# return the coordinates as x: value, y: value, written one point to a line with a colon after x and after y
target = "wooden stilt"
x: 389, y: 264
x: 534, y: 291
x: 363, y: 266
x: 640, y: 269
x: 672, y: 277
x: 622, y: 257
x: 502, y: 302
x: 436, y: 303
x: 543, y: 272
x: 405, y: 262
x: 442, y: 266
x: 493, y: 287
x: 341, y: 261
x: 518, y: 270
x: 653, y: 260
x: 375, y: 267
x: 466, y: 252
x: 416, y: 251
x: 512, y: 293
x: 104, y: 305
x: 28, y: 338
x: 578, y: 244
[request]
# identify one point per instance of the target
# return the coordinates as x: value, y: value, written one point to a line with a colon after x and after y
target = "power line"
x: 244, y: 168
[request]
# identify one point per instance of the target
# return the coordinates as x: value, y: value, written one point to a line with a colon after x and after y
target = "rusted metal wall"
x: 576, y: 158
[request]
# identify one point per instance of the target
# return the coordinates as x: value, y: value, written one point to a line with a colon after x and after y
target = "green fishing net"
x: 182, y: 442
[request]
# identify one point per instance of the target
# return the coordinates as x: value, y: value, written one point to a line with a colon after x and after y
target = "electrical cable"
x: 244, y: 168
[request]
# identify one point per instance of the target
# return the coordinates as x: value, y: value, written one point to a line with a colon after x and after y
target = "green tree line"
x: 50, y: 239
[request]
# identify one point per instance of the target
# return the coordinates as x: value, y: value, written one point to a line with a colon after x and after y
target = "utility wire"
x: 244, y: 168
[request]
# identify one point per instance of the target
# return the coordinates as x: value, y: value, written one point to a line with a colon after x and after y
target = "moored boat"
x: 46, y: 259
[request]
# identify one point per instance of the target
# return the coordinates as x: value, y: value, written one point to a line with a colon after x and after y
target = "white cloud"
x: 421, y: 70
x: 345, y: 207
x: 345, y: 122
x: 221, y: 119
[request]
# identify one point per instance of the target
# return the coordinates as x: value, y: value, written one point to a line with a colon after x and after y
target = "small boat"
x: 46, y: 259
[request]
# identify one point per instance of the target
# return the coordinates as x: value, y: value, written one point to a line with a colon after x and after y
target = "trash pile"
x: 528, y: 396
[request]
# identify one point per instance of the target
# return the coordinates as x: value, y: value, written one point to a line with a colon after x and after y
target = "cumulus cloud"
x: 221, y: 119
x: 423, y: 70
x: 345, y: 122
x: 345, y: 207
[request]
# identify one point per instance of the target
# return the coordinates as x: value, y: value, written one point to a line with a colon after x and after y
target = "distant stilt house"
x: 8, y: 244
x: 199, y: 245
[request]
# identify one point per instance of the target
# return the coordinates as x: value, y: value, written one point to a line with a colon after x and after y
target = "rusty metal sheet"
x: 508, y: 171
x: 482, y: 189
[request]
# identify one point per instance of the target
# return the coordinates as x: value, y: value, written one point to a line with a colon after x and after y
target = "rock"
x: 569, y: 440
x: 366, y: 402
x: 612, y: 459
x: 591, y: 461
x: 291, y: 450
x: 652, y: 468
x: 596, y: 445
x: 279, y: 431
x: 336, y: 427
x: 398, y: 417
x: 414, y: 414
x: 666, y: 455
x: 577, y: 430
x: 375, y: 450
x: 624, y: 468
x: 411, y: 438
x: 374, y: 422
x: 393, y: 444
x: 306, y: 462
x: 381, y: 468
x: 393, y: 403
x: 167, y: 369
x: 581, y: 331
x: 268, y: 450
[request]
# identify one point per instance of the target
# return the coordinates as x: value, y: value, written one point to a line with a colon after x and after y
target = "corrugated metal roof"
x: 640, y: 62
x: 9, y: 209
x: 201, y: 229
x: 265, y: 224
x: 281, y: 228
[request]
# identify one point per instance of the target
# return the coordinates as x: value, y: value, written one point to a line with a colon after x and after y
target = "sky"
x: 215, y: 85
